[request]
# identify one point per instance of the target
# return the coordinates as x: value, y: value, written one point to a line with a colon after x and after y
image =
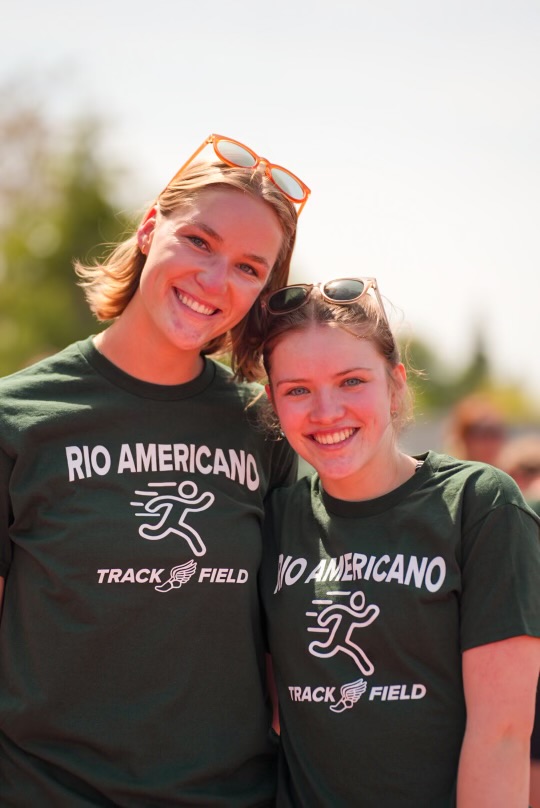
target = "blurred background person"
x: 521, y: 459
x: 476, y: 430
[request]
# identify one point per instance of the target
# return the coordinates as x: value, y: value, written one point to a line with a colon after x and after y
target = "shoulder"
x: 37, y: 393
x: 478, y: 482
x: 291, y: 498
x: 224, y: 380
x: 54, y: 368
x: 485, y: 501
x: 249, y: 398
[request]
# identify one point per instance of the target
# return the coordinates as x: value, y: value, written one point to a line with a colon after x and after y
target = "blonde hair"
x: 363, y: 320
x: 110, y: 284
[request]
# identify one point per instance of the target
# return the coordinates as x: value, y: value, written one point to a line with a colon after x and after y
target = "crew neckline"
x: 140, y: 388
x: 371, y: 507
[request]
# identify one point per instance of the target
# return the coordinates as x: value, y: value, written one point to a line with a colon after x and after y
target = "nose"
x: 326, y: 407
x: 213, y: 277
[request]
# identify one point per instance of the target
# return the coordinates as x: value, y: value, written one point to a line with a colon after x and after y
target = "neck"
x: 145, y: 361
x: 372, y: 482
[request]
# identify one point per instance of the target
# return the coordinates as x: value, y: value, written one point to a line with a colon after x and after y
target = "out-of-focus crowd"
x: 478, y: 430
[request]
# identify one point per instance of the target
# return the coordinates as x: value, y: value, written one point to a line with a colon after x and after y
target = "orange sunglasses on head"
x: 234, y: 153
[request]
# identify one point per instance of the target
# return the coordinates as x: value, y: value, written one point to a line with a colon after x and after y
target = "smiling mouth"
x: 331, y: 438
x: 194, y: 305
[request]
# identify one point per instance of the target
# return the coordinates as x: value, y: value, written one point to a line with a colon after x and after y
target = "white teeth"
x: 334, y: 437
x: 192, y: 304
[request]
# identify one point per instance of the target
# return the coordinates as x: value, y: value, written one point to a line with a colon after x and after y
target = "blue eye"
x: 297, y: 391
x: 353, y: 382
x: 248, y: 269
x: 197, y: 241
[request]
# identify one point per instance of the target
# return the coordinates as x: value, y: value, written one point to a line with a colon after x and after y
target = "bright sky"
x: 416, y: 123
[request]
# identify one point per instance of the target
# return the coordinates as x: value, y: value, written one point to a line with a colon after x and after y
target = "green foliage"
x: 437, y: 389
x: 55, y: 195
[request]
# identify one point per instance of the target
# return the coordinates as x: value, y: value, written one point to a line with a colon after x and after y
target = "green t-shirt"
x: 369, y: 607
x: 131, y: 649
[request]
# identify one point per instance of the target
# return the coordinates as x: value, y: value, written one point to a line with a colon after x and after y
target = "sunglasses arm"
x: 301, y: 208
x: 203, y: 145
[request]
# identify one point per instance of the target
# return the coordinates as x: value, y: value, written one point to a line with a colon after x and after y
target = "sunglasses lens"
x: 288, y: 299
x: 235, y: 154
x: 288, y: 184
x: 345, y: 289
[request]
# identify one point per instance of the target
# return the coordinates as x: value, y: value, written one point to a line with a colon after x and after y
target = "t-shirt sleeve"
x: 6, y: 516
x: 268, y: 568
x: 284, y: 468
x: 500, y: 596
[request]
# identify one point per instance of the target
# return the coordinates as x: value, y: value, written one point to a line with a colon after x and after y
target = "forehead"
x: 323, y: 347
x: 229, y: 203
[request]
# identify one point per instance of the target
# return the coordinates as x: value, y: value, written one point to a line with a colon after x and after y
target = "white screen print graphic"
x: 339, y: 621
x: 350, y: 694
x: 178, y: 575
x: 168, y: 512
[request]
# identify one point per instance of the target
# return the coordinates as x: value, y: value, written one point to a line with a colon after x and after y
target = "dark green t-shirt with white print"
x: 131, y: 650
x: 369, y: 607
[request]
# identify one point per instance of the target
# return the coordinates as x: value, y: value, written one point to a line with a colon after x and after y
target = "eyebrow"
x: 207, y: 229
x: 213, y: 234
x: 353, y: 370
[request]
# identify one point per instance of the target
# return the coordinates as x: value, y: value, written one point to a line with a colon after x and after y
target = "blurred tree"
x: 476, y: 374
x: 436, y: 388
x: 55, y: 204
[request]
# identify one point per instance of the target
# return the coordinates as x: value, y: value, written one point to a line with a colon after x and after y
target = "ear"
x: 145, y: 231
x: 268, y: 390
x: 399, y: 377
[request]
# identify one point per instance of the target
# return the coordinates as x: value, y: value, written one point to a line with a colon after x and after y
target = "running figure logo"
x: 170, y: 510
x: 339, y: 621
